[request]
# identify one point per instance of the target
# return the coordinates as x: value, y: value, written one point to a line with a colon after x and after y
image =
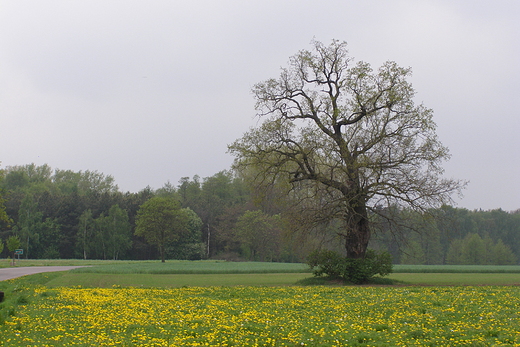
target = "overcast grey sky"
x: 152, y: 91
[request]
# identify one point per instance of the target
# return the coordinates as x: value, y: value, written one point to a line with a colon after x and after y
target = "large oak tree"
x: 346, y: 140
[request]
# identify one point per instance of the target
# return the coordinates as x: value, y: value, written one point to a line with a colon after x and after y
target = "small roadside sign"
x: 18, y: 251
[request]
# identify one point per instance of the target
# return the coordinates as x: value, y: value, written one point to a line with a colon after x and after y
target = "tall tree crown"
x: 346, y: 139
x: 348, y: 128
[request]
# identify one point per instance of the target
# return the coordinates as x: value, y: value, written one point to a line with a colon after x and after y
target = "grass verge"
x: 19, y: 291
x: 61, y: 262
x: 196, y: 267
x: 456, y: 268
x: 101, y: 280
x: 456, y: 279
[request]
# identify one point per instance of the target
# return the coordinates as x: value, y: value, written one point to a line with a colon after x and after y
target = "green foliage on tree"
x: 502, y: 254
x: 13, y: 243
x: 29, y: 223
x: 66, y: 214
x: 424, y: 246
x: 474, y: 250
x: 4, y: 218
x: 218, y: 200
x: 113, y: 233
x: 259, y: 235
x: 83, y: 182
x: 189, y: 246
x: 86, y: 230
x: 413, y: 253
x: 39, y: 237
x: 344, y: 139
x: 162, y: 221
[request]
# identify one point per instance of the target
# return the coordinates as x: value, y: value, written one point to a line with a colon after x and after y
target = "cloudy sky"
x: 152, y: 91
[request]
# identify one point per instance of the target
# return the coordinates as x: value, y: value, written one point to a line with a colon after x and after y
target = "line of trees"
x: 66, y: 214
x: 454, y: 236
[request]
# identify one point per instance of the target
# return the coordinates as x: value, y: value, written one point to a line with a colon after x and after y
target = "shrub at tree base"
x: 333, y: 265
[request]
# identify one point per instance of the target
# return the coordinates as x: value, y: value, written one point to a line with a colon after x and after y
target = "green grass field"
x: 103, y: 280
x: 457, y: 269
x: 66, y: 262
x: 195, y: 267
x: 175, y: 273
x: 179, y: 303
x: 265, y: 316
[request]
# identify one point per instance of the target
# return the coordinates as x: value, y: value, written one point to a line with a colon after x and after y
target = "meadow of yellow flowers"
x: 268, y: 316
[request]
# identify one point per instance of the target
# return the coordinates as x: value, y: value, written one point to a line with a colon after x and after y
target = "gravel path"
x: 13, y: 272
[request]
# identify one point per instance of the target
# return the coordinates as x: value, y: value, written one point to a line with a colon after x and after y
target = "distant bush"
x: 333, y: 265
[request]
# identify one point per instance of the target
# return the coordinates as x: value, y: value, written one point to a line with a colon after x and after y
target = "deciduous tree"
x: 13, y: 243
x: 347, y: 139
x: 4, y: 218
x: 259, y: 235
x: 190, y: 245
x: 29, y: 223
x: 160, y: 221
x: 86, y: 227
x: 114, y: 232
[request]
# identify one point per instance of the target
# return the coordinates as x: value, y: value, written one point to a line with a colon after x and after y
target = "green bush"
x: 333, y: 265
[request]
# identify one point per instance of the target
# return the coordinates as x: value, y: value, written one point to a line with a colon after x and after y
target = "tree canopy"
x: 347, y: 140
x: 4, y: 218
x: 161, y: 220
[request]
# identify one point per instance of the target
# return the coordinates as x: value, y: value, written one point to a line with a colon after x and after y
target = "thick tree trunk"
x: 358, y: 234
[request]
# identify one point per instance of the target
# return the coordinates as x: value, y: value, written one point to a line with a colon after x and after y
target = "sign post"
x: 18, y: 251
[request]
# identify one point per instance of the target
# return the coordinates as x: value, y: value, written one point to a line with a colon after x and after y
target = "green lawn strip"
x: 196, y: 267
x: 456, y: 279
x: 60, y: 262
x: 69, y: 279
x: 154, y: 266
x: 169, y: 267
x: 456, y: 268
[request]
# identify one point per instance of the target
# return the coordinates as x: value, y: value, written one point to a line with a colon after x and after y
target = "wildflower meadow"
x: 267, y: 316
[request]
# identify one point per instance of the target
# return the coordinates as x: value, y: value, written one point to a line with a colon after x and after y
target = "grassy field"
x: 220, y: 273
x: 456, y: 279
x: 154, y: 266
x: 71, y: 262
x: 457, y: 269
x: 256, y: 304
x: 266, y: 316
x: 195, y: 267
x: 102, y: 280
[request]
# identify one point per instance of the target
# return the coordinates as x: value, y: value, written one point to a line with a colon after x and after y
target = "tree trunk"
x: 161, y: 250
x: 358, y: 234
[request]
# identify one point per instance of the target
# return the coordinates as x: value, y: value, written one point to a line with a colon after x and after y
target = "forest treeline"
x: 66, y: 214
